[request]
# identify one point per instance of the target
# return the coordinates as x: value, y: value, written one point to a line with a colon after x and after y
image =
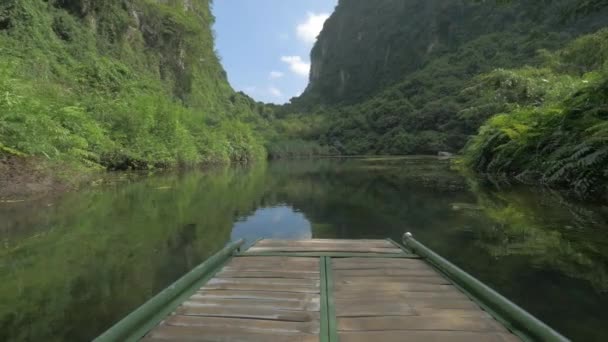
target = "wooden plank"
x: 206, y: 334
x: 371, y: 263
x: 274, y: 260
x: 400, y: 295
x: 406, y: 287
x: 293, y: 274
x: 250, y: 312
x: 313, y: 243
x: 380, y: 298
x: 265, y: 281
x: 364, y: 266
x: 426, y: 336
x: 406, y: 300
x: 434, y: 312
x: 285, y: 268
x: 380, y: 260
x: 332, y: 254
x: 442, y: 303
x: 307, y: 305
x: 253, y: 325
x: 262, y: 287
x: 385, y: 272
x: 439, y: 303
x: 373, y: 308
x: 449, y: 323
x: 325, y: 248
x: 266, y: 295
x: 436, y: 279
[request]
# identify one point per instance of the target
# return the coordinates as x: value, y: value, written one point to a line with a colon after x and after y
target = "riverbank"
x: 108, y: 248
x: 30, y: 177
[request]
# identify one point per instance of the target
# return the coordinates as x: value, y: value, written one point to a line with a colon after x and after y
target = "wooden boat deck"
x: 329, y: 290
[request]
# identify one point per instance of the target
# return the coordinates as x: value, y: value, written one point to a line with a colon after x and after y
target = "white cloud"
x: 275, y: 92
x: 310, y: 29
x: 276, y: 74
x: 297, y: 65
x: 283, y: 36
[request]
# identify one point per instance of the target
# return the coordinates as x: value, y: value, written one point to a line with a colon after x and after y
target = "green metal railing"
x: 515, y: 318
x: 144, y: 318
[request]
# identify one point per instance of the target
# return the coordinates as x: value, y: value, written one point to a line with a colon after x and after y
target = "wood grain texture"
x: 405, y: 323
x: 262, y: 287
x: 244, y: 324
x: 244, y: 311
x: 251, y: 299
x: 405, y: 300
x: 384, y: 272
x: 278, y: 296
x: 426, y: 336
x: 268, y: 274
x: 433, y: 279
x: 380, y: 263
x: 371, y: 298
x: 324, y: 242
x: 181, y: 333
x: 326, y: 248
x: 305, y: 305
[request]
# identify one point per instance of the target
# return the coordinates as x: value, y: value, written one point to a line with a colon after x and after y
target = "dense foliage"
x: 119, y: 84
x: 380, y: 96
x: 71, y: 271
x: 420, y: 77
x: 366, y: 46
x: 554, y: 126
x: 138, y: 84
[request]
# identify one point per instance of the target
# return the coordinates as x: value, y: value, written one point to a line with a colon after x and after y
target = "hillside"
x: 137, y: 84
x: 388, y: 76
x: 118, y: 84
x: 366, y: 46
x: 422, y: 76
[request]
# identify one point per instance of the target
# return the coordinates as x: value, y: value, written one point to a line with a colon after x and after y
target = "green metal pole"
x: 122, y: 330
x: 507, y: 310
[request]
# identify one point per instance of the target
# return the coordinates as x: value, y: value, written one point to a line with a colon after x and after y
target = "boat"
x: 329, y: 290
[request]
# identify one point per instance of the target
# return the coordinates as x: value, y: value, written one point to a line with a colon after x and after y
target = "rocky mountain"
x: 367, y: 46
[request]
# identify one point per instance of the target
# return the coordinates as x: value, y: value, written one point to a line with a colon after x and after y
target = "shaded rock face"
x: 137, y: 23
x: 77, y: 7
x: 366, y: 46
x: 172, y: 39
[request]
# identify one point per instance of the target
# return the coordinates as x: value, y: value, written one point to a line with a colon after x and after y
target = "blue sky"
x: 265, y: 45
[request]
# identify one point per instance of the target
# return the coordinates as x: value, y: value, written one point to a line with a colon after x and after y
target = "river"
x: 72, y: 265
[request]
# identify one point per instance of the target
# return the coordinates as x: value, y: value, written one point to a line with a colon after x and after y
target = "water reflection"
x: 71, y: 267
x: 281, y: 222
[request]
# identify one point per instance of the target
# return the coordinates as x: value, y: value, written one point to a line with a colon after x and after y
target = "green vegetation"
x: 554, y: 126
x: 294, y: 136
x: 381, y: 97
x: 73, y: 266
x: 71, y: 270
x: 138, y: 85
x: 371, y: 94
x: 119, y: 85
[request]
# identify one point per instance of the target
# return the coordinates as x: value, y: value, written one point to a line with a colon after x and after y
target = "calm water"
x: 71, y: 267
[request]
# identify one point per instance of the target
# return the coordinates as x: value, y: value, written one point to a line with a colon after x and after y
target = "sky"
x: 264, y: 45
